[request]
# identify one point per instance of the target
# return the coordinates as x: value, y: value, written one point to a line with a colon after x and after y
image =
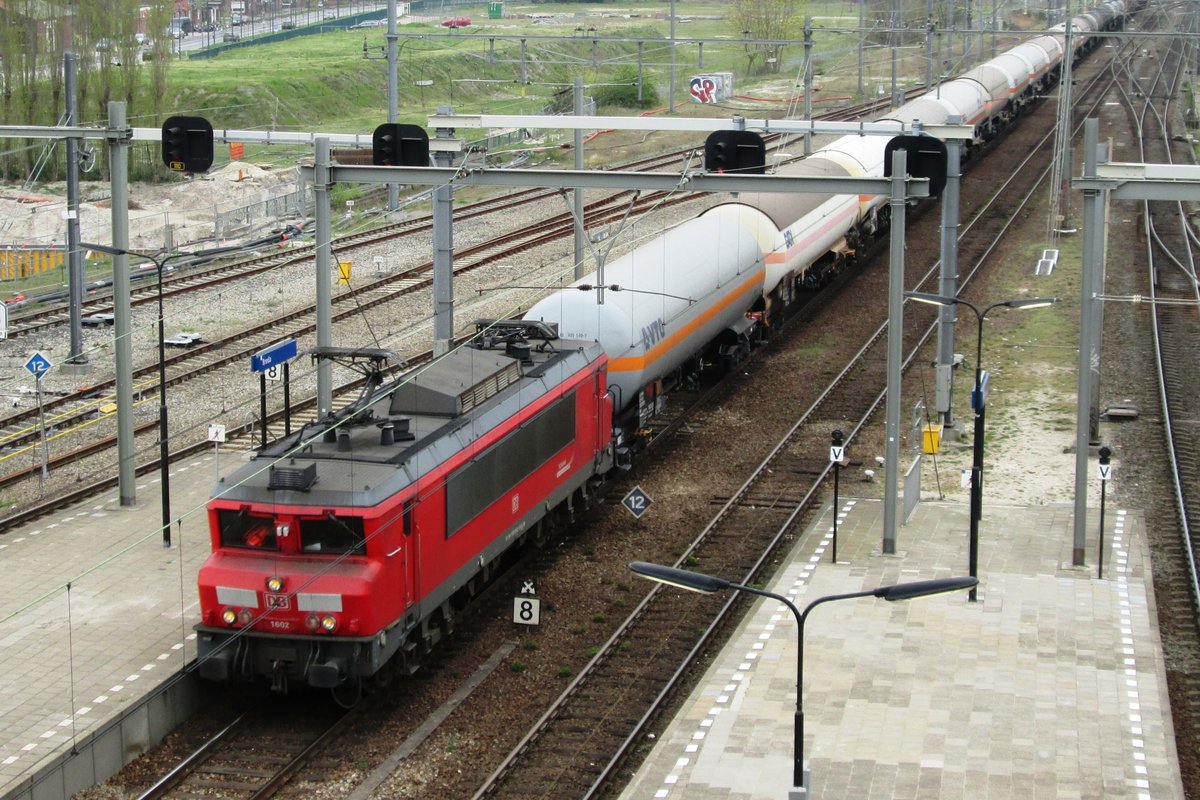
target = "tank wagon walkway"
x: 1052, y: 685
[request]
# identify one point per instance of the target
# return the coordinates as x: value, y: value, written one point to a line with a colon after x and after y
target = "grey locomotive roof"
x: 462, y: 378
x: 361, y: 470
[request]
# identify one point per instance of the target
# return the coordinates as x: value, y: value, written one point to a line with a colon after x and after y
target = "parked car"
x: 236, y: 19
x: 370, y: 23
x: 231, y: 37
x: 287, y: 25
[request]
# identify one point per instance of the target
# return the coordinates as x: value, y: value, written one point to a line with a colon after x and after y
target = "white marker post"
x: 837, y: 452
x: 527, y: 609
x: 216, y: 435
x: 1105, y: 472
x: 37, y: 366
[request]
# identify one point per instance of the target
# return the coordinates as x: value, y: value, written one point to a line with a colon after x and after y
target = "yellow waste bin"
x: 931, y: 440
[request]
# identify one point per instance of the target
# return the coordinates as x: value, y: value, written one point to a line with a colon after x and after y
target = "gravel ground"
x: 1031, y: 463
x: 230, y: 395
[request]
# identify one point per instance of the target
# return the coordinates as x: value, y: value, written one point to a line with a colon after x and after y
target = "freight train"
x: 352, y: 543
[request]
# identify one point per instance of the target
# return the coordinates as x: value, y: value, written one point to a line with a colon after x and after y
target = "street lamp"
x: 160, y: 263
x: 707, y: 584
x: 978, y: 403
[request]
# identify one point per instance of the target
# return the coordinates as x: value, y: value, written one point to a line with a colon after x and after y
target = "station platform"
x: 94, y: 613
x: 1051, y: 685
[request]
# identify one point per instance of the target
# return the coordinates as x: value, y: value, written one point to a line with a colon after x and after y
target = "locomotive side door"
x: 409, y: 564
x: 400, y: 558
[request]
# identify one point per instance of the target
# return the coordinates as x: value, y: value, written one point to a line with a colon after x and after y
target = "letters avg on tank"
x: 187, y: 144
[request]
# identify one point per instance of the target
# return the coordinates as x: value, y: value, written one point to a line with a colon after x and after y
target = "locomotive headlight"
x: 245, y: 617
x: 312, y: 622
x: 229, y: 616
x: 328, y: 623
x: 275, y: 584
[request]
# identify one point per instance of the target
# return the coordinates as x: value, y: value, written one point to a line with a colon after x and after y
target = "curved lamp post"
x: 160, y: 263
x: 978, y: 403
x: 707, y: 584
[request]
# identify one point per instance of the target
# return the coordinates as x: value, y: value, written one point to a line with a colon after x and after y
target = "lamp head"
x: 907, y: 591
x: 1032, y: 302
x: 679, y: 578
x: 931, y: 299
x: 837, y: 437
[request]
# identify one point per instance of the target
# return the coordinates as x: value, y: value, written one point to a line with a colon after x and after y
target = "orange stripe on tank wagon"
x: 638, y: 363
x: 834, y: 220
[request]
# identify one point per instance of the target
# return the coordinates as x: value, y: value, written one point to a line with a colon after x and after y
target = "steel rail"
x: 1182, y: 445
x: 737, y: 500
x: 379, y: 292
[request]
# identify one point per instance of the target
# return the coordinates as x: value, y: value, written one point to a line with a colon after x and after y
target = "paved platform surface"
x: 1051, y: 685
x: 94, y: 612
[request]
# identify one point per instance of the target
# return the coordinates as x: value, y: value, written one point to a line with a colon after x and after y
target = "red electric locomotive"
x: 345, y: 544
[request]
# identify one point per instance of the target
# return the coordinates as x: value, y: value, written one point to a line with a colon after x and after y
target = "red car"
x: 456, y: 22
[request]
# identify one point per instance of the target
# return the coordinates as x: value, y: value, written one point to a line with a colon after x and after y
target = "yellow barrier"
x: 21, y: 262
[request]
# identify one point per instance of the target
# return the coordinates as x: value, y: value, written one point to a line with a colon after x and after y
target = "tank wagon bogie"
x: 349, y: 545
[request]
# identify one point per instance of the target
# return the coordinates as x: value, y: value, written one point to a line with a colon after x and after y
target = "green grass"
x: 1033, y: 352
x: 323, y: 82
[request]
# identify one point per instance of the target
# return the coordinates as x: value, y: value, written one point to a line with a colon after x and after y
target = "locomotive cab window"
x: 333, y: 535
x: 240, y: 529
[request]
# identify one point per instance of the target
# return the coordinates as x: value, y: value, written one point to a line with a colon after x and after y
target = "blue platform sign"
x: 279, y: 353
x: 979, y: 393
x: 38, y: 365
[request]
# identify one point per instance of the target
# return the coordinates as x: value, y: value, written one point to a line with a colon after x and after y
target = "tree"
x: 34, y: 34
x: 765, y: 19
x: 622, y: 90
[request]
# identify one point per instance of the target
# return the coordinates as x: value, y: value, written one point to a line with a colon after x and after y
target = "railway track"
x: 579, y: 747
x: 89, y: 410
x: 773, y: 502
x: 255, y: 755
x: 206, y: 271
x: 180, y: 281
x: 1174, y: 295
x: 1169, y: 287
x: 19, y: 433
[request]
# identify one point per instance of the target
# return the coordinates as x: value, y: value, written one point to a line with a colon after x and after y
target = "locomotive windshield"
x: 333, y: 534
x: 240, y: 529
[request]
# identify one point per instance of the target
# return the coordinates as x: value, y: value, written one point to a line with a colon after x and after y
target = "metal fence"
x: 296, y: 203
